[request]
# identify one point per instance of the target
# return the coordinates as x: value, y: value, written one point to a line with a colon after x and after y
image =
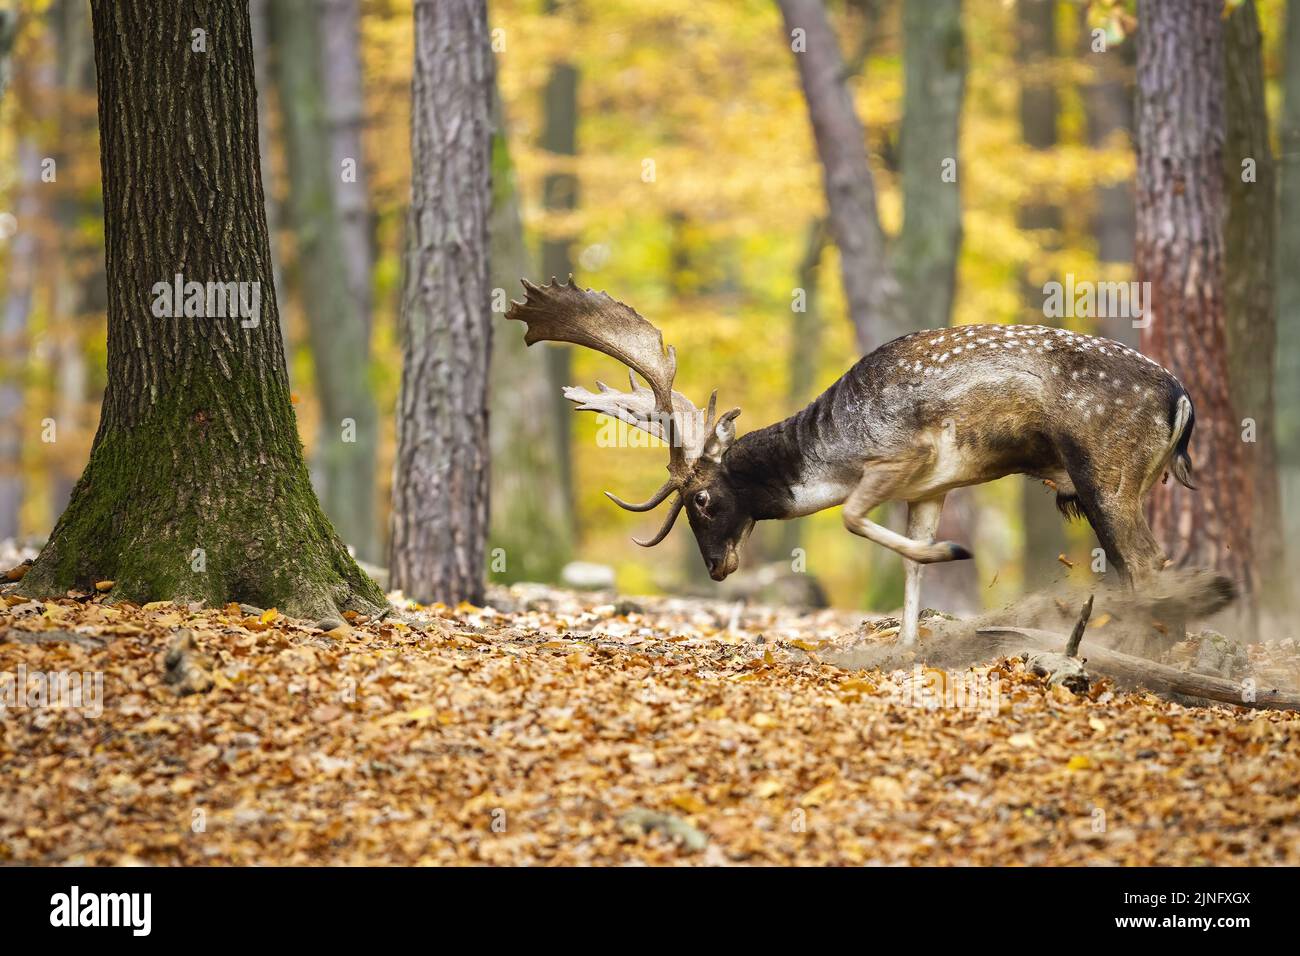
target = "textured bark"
x: 1039, y: 105
x: 1180, y: 217
x: 560, y: 195
x: 1287, y: 398
x: 529, y: 504
x: 338, y: 332
x: 1250, y: 240
x: 871, y: 288
x: 197, y: 445
x: 440, y: 478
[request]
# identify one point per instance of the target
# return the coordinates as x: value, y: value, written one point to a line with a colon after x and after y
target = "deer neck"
x: 785, y: 471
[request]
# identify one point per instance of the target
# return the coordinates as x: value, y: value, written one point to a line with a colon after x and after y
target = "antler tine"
x: 667, y: 525
x: 666, y: 489
x: 562, y: 312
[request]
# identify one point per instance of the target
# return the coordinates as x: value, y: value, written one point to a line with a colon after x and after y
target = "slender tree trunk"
x: 79, y: 299
x: 8, y: 30
x: 440, y: 478
x: 260, y: 22
x: 22, y: 267
x: 1036, y: 54
x: 349, y: 432
x: 1287, y: 398
x: 529, y: 506
x: 1250, y: 243
x: 1108, y: 108
x: 344, y: 91
x: 925, y: 257
x: 27, y: 249
x: 560, y: 196
x: 196, y: 486
x: 870, y: 287
x: 1180, y: 217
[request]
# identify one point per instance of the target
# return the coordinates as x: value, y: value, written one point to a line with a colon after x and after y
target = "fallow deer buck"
x: 918, y: 417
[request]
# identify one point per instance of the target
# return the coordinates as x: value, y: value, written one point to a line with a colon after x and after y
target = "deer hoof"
x: 957, y: 553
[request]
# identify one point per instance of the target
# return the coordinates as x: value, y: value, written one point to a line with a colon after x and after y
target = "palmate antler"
x: 561, y: 312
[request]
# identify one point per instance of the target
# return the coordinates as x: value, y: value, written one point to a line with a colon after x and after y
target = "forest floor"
x: 575, y: 729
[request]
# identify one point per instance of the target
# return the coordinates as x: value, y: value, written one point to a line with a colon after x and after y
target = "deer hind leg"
x: 922, y: 523
x: 884, y: 481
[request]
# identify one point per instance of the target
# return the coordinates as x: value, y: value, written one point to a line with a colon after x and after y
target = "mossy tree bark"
x: 196, y: 486
x: 440, y: 476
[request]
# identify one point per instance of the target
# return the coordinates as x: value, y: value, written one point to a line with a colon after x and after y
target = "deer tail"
x: 1184, y: 422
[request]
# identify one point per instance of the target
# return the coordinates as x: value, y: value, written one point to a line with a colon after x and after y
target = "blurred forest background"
x: 663, y: 152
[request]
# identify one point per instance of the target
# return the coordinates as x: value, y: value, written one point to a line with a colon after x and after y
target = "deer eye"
x: 701, y: 499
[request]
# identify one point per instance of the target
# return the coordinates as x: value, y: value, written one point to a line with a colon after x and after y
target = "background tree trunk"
x: 870, y: 287
x: 560, y: 196
x: 344, y: 91
x: 1180, y: 216
x: 1287, y: 398
x: 196, y: 486
x: 529, y: 505
x: 1108, y: 109
x: 925, y: 256
x: 440, y: 478
x: 1250, y: 240
x: 259, y: 19
x: 348, y: 438
x: 1036, y: 55
x: 8, y: 30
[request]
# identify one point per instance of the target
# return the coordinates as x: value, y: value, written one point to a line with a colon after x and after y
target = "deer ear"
x: 724, y: 433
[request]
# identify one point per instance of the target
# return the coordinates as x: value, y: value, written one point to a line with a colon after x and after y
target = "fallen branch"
x: 1128, y: 669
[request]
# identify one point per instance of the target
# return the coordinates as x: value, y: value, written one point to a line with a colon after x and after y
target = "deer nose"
x: 718, y: 568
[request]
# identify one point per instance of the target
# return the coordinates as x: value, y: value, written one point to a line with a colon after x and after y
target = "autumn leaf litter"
x: 559, y: 728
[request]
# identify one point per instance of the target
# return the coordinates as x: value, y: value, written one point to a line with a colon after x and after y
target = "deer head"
x: 697, y: 442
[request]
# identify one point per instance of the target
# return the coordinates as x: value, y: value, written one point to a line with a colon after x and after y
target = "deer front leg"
x: 922, y: 523
x: 882, y: 481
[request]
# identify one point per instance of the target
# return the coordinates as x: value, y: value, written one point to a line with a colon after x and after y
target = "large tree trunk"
x: 1287, y: 398
x: 440, y: 478
x: 1180, y: 216
x: 529, y: 506
x: 196, y: 486
x: 1036, y: 55
x: 871, y: 288
x: 1250, y: 238
x: 348, y: 439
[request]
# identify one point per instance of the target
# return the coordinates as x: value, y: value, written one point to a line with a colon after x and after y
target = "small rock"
x: 587, y: 576
x: 188, y: 670
x: 635, y: 823
x: 329, y: 623
x: 252, y: 610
